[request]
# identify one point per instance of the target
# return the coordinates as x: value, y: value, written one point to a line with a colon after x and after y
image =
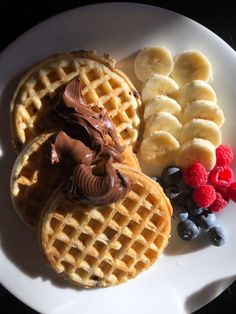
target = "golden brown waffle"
x: 102, y: 85
x: 107, y: 245
x: 34, y: 178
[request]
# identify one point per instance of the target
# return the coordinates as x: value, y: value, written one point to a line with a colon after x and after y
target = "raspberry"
x: 204, y: 195
x: 223, y: 192
x: 196, y: 175
x: 221, y: 176
x: 224, y: 155
x: 218, y: 204
x: 232, y: 191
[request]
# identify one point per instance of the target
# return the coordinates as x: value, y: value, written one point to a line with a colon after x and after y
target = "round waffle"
x: 34, y: 178
x: 102, y: 85
x: 107, y: 245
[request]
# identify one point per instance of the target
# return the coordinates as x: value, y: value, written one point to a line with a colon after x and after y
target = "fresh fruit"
x: 196, y: 150
x: 153, y: 60
x: 224, y: 155
x: 180, y: 212
x: 217, y: 236
x: 196, y: 175
x: 173, y: 193
x: 197, y: 90
x: 163, y: 121
x: 171, y: 175
x: 162, y: 104
x: 199, y: 128
x: 204, y: 195
x: 206, y: 219
x: 221, y: 176
x: 231, y: 190
x: 203, y: 109
x: 223, y: 192
x: 187, y: 230
x: 192, y: 207
x: 218, y: 204
x: 191, y: 65
x: 159, y: 148
x: 159, y: 85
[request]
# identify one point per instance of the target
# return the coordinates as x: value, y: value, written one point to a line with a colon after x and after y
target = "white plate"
x: 188, y: 275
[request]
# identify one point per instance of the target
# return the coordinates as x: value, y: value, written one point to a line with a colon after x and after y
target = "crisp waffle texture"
x: 104, y: 246
x: 102, y: 85
x: 34, y: 178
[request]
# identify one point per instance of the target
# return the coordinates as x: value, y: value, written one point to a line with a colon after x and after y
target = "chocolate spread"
x: 97, y: 144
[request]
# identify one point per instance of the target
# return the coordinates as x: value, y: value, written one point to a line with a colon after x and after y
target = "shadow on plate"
x: 18, y: 242
x: 177, y: 246
x: 207, y: 294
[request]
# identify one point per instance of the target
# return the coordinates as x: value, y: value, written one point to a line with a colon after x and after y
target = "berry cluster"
x: 213, y: 190
x: 197, y: 195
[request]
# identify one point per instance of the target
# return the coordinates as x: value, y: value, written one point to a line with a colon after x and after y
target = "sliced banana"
x: 162, y: 104
x: 200, y: 128
x: 203, y: 109
x: 159, y: 85
x: 153, y: 60
x: 159, y: 148
x: 163, y: 121
x: 191, y: 65
x: 197, y: 90
x: 196, y: 150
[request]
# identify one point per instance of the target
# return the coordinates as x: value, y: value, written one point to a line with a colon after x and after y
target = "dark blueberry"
x: 217, y: 236
x: 180, y: 212
x: 187, y: 190
x: 187, y: 230
x: 206, y: 219
x: 171, y: 175
x: 191, y: 207
x: 158, y: 180
x: 173, y: 193
x: 154, y: 178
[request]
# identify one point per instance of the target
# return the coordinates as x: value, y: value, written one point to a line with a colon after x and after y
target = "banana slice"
x: 162, y: 104
x: 153, y: 60
x: 191, y: 65
x: 159, y: 85
x: 163, y: 121
x: 196, y: 150
x: 200, y: 128
x: 197, y: 90
x: 203, y: 109
x: 159, y: 148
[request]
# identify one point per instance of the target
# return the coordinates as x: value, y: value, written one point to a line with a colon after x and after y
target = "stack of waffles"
x: 92, y: 246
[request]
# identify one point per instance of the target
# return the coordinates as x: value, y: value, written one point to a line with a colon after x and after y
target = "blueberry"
x: 171, y: 175
x: 180, y: 212
x: 154, y: 178
x: 217, y: 236
x: 186, y: 191
x: 206, y: 219
x: 191, y: 207
x: 187, y: 230
x: 158, y: 180
x: 173, y: 193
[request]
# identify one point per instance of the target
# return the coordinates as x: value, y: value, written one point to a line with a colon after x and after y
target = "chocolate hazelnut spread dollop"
x: 97, y: 144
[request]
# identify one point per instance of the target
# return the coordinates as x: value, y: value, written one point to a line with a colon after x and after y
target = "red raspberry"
x: 196, y: 175
x: 223, y: 192
x: 232, y: 191
x: 218, y: 204
x: 221, y: 176
x: 224, y: 155
x: 204, y: 195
